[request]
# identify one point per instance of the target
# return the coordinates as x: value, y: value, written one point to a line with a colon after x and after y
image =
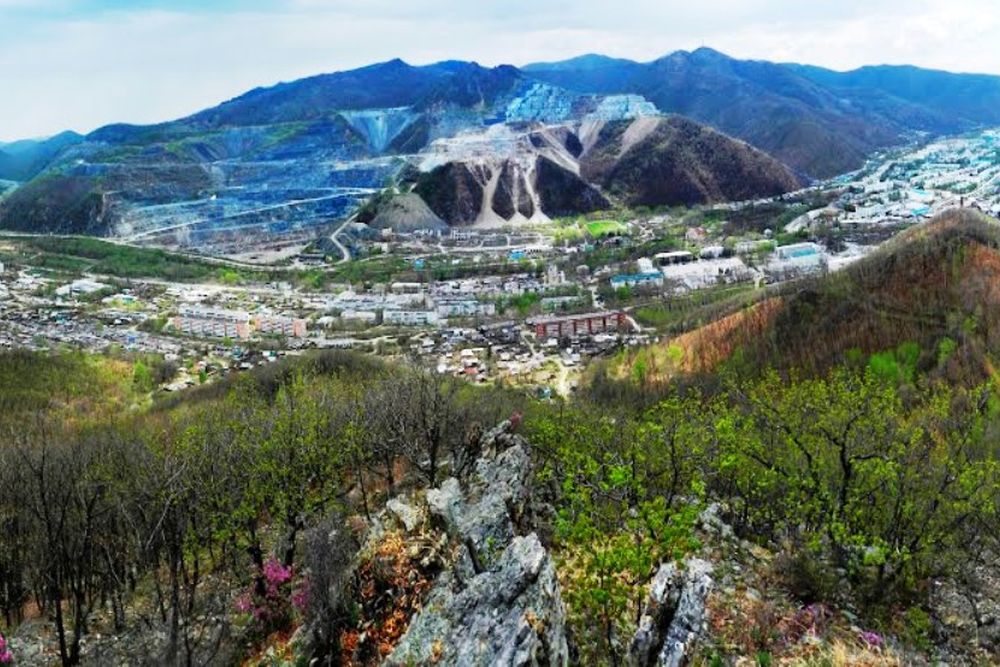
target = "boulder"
x: 674, y: 615
x: 408, y: 514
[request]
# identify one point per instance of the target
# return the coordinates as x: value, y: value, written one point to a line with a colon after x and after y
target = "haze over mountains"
x: 483, y: 146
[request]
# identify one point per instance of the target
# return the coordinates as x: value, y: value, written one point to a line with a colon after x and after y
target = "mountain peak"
x: 587, y: 61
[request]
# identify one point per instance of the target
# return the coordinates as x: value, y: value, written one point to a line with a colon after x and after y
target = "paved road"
x: 344, y: 252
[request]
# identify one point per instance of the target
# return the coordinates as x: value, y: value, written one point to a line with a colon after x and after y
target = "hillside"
x: 290, y: 158
x: 564, y: 170
x: 23, y: 160
x: 358, y: 513
x: 927, y: 302
x: 820, y: 122
x: 653, y: 162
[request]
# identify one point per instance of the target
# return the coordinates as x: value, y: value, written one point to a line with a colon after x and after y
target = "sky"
x: 80, y: 64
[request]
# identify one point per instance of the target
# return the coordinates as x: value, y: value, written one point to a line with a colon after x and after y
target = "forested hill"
x: 338, y: 509
x: 924, y: 303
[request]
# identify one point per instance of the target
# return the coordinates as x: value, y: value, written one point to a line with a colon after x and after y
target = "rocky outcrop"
x: 500, y: 603
x: 511, y: 196
x: 674, y: 615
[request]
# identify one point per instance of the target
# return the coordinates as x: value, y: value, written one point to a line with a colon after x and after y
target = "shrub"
x: 806, y: 576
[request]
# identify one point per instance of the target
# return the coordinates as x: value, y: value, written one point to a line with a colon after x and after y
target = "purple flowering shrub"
x: 6, y: 657
x: 872, y: 639
x: 271, y: 610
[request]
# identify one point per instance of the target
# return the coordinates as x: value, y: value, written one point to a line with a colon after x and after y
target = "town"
x: 528, y: 306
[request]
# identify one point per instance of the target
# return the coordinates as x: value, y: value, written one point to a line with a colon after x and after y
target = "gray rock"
x: 500, y: 603
x: 510, y: 615
x: 674, y: 615
x: 446, y: 502
x: 411, y: 516
x: 711, y: 522
x: 483, y: 518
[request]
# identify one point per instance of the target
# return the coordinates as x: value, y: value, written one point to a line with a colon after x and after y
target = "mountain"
x: 492, y: 146
x: 927, y: 301
x: 273, y: 161
x: 287, y: 159
x: 23, y: 160
x: 966, y: 98
x: 658, y: 161
x: 550, y: 172
x: 819, y: 122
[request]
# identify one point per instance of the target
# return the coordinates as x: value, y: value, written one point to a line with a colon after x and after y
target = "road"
x: 344, y: 252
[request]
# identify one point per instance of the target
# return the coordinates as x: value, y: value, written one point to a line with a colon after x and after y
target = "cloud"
x: 82, y: 64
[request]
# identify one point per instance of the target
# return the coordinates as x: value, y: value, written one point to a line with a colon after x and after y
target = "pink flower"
x: 300, y: 598
x: 244, y: 604
x: 276, y: 573
x: 873, y: 639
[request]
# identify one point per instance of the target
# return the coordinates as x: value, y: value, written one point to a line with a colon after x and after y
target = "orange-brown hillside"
x: 934, y: 282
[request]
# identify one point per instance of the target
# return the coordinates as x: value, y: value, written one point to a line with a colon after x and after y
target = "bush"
x: 805, y: 575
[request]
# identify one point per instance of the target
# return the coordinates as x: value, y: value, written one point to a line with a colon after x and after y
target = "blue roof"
x: 636, y: 277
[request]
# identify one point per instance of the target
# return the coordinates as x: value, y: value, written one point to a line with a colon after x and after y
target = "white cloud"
x: 151, y: 65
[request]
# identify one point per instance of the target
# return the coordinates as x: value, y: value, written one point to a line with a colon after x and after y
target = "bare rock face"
x: 454, y: 192
x: 674, y: 615
x: 500, y: 604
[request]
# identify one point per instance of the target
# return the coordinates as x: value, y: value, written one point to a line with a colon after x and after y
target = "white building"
x: 464, y: 308
x: 410, y: 318
x: 80, y: 287
x: 707, y: 272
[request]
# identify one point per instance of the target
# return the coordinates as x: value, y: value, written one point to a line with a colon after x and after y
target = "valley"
x: 466, y: 301
x: 600, y: 362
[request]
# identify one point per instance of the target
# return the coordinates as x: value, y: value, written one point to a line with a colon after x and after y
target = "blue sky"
x: 79, y: 64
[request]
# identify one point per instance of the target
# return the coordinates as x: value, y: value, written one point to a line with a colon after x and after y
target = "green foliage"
x: 896, y: 366
x: 619, y: 515
x: 917, y: 627
x: 142, y: 378
x: 946, y: 348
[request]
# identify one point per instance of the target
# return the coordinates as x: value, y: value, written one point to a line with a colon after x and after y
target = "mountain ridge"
x: 310, y: 150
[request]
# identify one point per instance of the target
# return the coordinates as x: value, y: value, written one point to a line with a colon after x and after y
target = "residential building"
x: 410, y: 318
x: 576, y: 325
x: 214, y: 323
x: 291, y: 327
